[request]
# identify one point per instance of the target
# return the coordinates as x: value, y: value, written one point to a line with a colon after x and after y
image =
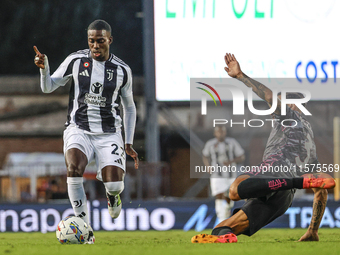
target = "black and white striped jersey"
x: 96, y: 90
x: 220, y: 152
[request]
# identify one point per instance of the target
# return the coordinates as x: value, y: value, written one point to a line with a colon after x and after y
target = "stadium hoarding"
x: 192, y: 37
x: 149, y: 215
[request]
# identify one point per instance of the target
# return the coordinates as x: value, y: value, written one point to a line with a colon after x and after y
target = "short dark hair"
x: 99, y: 24
x: 291, y: 95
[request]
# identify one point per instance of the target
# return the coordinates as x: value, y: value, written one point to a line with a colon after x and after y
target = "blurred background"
x: 165, y: 42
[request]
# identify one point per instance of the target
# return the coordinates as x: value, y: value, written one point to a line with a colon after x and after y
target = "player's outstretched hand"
x: 309, y: 236
x: 39, y: 58
x: 233, y: 67
x: 132, y: 153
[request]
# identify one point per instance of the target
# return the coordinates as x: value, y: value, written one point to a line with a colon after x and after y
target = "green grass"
x: 266, y: 241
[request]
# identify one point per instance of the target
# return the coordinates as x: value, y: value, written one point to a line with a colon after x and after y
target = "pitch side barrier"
x: 149, y: 215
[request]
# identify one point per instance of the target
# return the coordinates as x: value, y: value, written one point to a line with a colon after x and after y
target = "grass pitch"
x: 265, y: 242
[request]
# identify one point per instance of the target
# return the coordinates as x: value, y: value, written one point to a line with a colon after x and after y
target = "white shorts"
x: 220, y: 185
x: 106, y: 149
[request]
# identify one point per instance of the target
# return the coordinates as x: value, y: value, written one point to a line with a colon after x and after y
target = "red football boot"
x: 321, y: 181
x: 204, y: 238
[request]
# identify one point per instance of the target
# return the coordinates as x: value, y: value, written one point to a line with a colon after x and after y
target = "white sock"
x: 114, y: 188
x: 77, y: 196
x: 221, y: 209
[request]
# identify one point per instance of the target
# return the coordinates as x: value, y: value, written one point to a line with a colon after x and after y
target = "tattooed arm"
x: 233, y: 69
x: 319, y: 205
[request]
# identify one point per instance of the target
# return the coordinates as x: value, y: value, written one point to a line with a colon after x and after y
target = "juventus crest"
x: 109, y: 74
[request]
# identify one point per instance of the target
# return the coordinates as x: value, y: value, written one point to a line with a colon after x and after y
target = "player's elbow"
x: 45, y: 90
x: 45, y: 87
x: 269, y: 98
x: 129, y: 109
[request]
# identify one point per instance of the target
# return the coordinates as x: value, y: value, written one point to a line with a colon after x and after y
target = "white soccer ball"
x: 72, y: 230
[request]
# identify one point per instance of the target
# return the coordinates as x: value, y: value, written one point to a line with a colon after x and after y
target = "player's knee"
x: 114, y: 188
x: 74, y: 171
x: 233, y: 194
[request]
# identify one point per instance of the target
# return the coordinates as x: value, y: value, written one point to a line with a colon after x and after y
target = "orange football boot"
x: 205, y: 238
x: 321, y: 181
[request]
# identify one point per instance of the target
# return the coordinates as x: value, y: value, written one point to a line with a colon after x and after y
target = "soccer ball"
x: 72, y: 230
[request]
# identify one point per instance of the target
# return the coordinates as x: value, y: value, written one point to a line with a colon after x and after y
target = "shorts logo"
x: 78, y: 203
x: 119, y: 161
x: 110, y: 73
x: 97, y: 88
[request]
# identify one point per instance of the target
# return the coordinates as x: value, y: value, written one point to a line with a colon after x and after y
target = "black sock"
x: 221, y: 231
x: 259, y: 187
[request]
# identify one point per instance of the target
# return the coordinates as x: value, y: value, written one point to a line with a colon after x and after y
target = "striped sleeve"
x: 59, y: 78
x: 64, y: 71
x: 127, y: 82
x: 129, y: 108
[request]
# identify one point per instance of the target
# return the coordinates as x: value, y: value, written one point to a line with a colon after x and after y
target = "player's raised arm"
x: 50, y: 83
x: 39, y: 58
x: 234, y: 70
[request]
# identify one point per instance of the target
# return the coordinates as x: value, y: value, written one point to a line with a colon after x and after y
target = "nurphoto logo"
x: 238, y: 100
x: 238, y: 97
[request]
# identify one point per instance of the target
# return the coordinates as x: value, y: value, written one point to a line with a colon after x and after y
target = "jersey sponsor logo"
x: 97, y: 88
x: 109, y: 74
x: 84, y: 73
x: 119, y: 161
x: 95, y: 100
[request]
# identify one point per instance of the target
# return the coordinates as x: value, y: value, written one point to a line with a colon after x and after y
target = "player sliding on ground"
x: 100, y: 82
x: 270, y: 194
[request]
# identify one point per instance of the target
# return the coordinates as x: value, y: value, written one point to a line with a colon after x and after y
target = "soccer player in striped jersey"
x: 222, y: 151
x: 100, y: 82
